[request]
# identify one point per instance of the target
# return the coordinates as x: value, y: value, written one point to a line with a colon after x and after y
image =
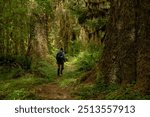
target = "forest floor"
x: 60, y: 88
x: 52, y: 91
x: 41, y: 82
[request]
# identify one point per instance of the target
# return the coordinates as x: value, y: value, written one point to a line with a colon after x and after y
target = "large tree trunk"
x: 37, y: 46
x: 143, y: 53
x: 126, y: 56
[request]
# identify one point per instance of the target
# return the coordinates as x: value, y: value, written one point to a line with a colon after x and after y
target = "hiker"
x: 60, y: 57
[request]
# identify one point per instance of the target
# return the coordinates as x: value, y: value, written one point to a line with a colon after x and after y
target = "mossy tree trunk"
x: 37, y: 46
x: 126, y: 56
x: 143, y: 46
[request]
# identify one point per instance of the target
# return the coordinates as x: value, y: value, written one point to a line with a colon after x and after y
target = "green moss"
x: 16, y: 83
x: 85, y: 92
x: 20, y: 88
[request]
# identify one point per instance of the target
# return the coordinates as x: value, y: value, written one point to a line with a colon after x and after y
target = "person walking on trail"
x: 60, y: 57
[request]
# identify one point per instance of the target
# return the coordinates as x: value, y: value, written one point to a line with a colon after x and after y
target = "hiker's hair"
x: 61, y: 48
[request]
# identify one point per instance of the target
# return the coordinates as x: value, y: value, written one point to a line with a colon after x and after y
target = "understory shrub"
x: 88, y: 59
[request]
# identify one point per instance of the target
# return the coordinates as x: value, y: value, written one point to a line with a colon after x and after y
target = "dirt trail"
x: 53, y: 91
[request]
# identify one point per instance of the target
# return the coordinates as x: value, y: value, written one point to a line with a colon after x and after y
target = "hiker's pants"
x: 60, y: 68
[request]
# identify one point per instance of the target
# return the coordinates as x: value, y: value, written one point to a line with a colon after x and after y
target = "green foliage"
x: 76, y: 6
x: 6, y: 72
x: 10, y: 61
x: 100, y: 90
x: 88, y: 59
x: 85, y: 92
x: 70, y: 78
x: 15, y: 23
x: 14, y: 27
x: 17, y: 83
x: 20, y: 88
x: 78, y: 10
x: 17, y: 67
x: 127, y: 92
x: 18, y: 94
x: 112, y: 92
x: 44, y: 69
x: 44, y: 6
x: 82, y: 17
x: 91, y: 91
x: 75, y: 47
x: 96, y: 23
x: 119, y: 92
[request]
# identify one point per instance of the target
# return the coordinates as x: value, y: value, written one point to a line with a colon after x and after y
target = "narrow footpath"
x: 53, y: 90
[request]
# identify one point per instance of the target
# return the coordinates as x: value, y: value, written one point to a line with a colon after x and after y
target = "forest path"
x: 52, y: 91
x: 60, y: 88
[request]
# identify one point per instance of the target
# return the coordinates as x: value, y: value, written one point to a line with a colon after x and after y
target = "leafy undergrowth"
x: 126, y: 92
x: 37, y: 83
x: 71, y: 75
x: 44, y: 69
x: 17, y: 84
x: 20, y: 88
x: 100, y: 91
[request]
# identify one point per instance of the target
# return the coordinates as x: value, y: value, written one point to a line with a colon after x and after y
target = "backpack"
x: 60, y: 56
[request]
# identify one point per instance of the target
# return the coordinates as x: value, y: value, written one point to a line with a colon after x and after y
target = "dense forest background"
x: 106, y: 43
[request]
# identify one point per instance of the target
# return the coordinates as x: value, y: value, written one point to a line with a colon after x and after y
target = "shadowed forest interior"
x: 106, y: 45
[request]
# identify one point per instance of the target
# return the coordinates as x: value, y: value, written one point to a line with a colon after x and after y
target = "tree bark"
x: 37, y: 46
x: 126, y: 56
x: 143, y: 53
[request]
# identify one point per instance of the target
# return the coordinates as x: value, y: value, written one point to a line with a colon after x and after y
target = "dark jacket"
x: 60, y: 57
